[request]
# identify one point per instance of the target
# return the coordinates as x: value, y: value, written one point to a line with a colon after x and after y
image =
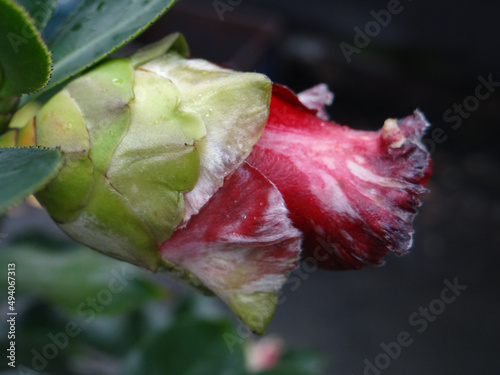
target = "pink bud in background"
x: 263, y: 354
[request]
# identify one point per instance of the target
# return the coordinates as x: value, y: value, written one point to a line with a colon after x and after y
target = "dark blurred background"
x: 429, y: 55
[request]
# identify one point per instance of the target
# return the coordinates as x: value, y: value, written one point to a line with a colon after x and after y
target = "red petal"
x: 316, y: 98
x: 241, y: 245
x: 352, y: 193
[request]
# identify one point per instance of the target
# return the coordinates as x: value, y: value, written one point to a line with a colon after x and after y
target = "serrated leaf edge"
x: 38, y: 36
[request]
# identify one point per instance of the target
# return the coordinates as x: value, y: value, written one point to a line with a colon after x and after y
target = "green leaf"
x: 174, y: 42
x: 23, y: 171
x: 39, y: 10
x: 190, y: 346
x: 24, y: 60
x: 79, y: 280
x: 194, y: 345
x: 298, y: 362
x: 97, y: 29
x: 8, y: 106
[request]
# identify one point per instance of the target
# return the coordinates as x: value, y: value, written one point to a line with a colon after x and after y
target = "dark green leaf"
x: 95, y: 30
x: 79, y: 280
x: 8, y: 106
x: 189, y: 346
x: 39, y: 10
x: 298, y: 362
x: 23, y: 171
x: 24, y: 60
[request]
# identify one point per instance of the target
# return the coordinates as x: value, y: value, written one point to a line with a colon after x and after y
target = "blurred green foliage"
x: 81, y: 313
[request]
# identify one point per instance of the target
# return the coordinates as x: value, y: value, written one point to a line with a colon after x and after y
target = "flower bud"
x: 189, y: 169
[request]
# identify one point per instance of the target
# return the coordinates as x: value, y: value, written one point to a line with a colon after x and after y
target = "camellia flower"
x: 220, y: 179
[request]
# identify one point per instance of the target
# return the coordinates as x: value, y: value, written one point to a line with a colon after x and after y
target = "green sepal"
x: 65, y: 196
x: 9, y: 138
x: 25, y: 114
x: 103, y: 96
x: 172, y: 43
x: 255, y: 310
x: 157, y: 160
x: 60, y: 125
x: 109, y: 224
x: 27, y: 135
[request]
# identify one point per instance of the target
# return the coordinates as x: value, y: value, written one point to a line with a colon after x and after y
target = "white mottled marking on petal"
x: 359, y: 159
x: 366, y: 175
